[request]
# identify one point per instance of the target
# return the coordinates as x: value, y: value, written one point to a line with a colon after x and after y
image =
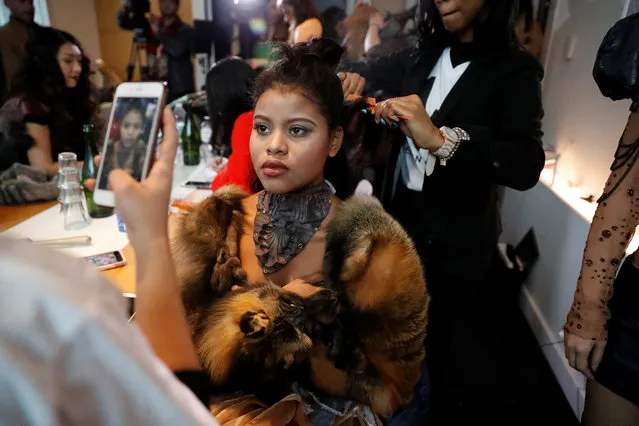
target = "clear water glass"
x: 72, y: 199
x: 66, y: 161
x: 75, y: 217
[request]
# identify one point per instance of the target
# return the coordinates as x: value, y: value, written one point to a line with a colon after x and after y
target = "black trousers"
x: 453, y: 292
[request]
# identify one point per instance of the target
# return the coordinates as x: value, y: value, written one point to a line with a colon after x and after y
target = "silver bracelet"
x: 452, y: 139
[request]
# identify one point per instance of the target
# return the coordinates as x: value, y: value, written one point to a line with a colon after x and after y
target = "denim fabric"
x: 416, y: 412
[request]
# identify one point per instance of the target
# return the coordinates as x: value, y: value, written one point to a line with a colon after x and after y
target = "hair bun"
x: 327, y: 50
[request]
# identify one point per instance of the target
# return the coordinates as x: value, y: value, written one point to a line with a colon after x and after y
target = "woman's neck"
x: 467, y: 35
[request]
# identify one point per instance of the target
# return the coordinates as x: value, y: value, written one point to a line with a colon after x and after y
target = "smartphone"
x: 110, y: 260
x: 130, y: 140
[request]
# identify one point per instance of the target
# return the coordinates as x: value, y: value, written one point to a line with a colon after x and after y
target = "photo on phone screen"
x: 105, y: 259
x: 128, y: 137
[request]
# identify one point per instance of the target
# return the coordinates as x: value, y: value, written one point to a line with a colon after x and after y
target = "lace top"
x: 614, y: 223
x: 285, y: 223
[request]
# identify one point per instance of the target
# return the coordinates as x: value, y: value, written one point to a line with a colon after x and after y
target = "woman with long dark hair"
x: 50, y: 101
x: 302, y: 19
x: 468, y: 100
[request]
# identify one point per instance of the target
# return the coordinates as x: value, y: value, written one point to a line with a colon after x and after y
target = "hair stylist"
x: 472, y: 106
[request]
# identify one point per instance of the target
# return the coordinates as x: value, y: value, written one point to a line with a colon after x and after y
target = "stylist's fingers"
x: 359, y: 87
x: 388, y: 110
x: 346, y: 82
x: 352, y: 83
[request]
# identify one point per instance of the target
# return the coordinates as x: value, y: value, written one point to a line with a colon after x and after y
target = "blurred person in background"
x: 50, y: 100
x: 355, y: 28
x: 471, y: 101
x: 13, y: 39
x: 228, y: 90
x: 332, y: 19
x: 170, y: 40
x: 277, y: 29
x: 302, y: 19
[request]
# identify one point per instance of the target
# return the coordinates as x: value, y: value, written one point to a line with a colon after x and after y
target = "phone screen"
x: 105, y: 259
x: 128, y: 137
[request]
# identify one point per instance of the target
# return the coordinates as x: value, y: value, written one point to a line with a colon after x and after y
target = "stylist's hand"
x: 352, y: 83
x: 144, y: 205
x: 416, y: 124
x: 584, y: 354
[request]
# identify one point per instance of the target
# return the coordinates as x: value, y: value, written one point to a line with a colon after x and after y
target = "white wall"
x: 78, y: 18
x: 579, y: 122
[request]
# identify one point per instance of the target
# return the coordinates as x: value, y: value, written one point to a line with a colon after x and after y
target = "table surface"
x: 124, y: 277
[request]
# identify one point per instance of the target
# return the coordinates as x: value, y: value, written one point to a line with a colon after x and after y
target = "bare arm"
x: 307, y: 30
x: 372, y: 39
x: 40, y: 154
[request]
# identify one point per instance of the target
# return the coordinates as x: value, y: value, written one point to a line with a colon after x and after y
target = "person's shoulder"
x: 517, y: 58
x: 33, y: 106
x: 310, y: 25
x: 311, y: 22
x: 186, y: 28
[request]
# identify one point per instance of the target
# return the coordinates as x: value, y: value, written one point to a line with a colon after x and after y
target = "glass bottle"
x: 190, y: 138
x: 90, y: 171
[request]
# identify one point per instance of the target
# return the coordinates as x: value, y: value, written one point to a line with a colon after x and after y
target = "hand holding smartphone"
x: 130, y: 141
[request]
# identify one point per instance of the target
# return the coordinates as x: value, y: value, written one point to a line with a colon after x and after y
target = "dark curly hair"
x: 494, y: 26
x: 40, y: 79
x: 310, y: 69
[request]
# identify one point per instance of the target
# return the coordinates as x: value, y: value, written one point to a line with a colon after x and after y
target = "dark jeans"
x: 416, y: 413
x: 452, y: 291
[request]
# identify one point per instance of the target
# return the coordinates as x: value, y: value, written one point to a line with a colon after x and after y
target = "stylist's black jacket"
x: 498, y: 102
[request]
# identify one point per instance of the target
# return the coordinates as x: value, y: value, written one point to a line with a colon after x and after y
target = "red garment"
x: 239, y: 169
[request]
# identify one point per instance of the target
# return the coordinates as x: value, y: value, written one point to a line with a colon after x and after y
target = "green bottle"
x: 90, y: 171
x: 190, y: 138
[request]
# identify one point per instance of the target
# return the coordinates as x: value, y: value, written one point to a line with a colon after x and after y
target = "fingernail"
x: 384, y: 122
x: 365, y: 111
x: 393, y: 125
